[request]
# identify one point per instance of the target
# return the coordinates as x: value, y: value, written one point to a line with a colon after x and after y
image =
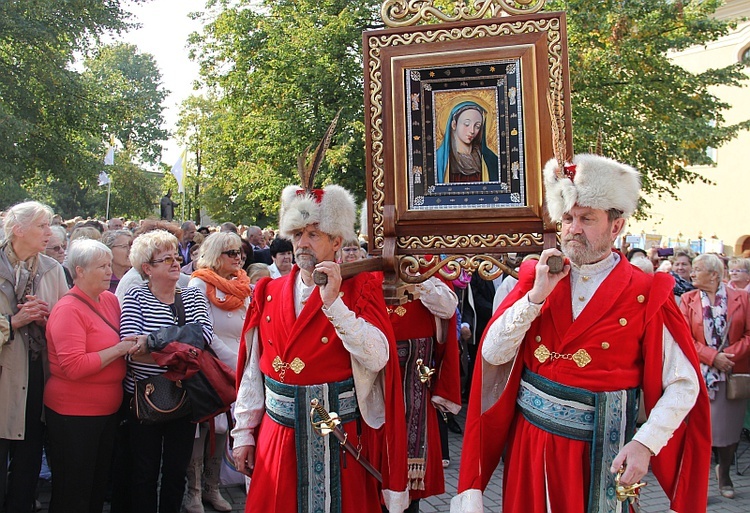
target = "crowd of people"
x: 614, y: 335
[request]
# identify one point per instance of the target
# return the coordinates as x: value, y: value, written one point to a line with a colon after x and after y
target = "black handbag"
x: 158, y: 399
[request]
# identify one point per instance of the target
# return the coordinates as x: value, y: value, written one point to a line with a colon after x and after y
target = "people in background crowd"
x: 186, y: 241
x: 31, y: 283
x: 739, y: 274
x: 219, y: 275
x: 84, y: 390
x: 194, y: 252
x: 281, y: 254
x: 116, y: 223
x: 351, y: 251
x: 257, y: 271
x: 719, y: 319
x: 56, y: 248
x: 119, y: 242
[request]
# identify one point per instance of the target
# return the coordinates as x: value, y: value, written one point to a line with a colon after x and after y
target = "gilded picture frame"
x: 458, y: 128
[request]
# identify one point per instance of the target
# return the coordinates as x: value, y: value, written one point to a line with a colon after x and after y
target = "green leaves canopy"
x: 282, y: 70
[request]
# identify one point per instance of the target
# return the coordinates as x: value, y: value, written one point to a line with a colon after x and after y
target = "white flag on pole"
x: 103, y: 178
x: 178, y: 170
x: 109, y: 158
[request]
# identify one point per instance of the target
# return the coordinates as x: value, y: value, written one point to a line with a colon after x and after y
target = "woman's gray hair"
x: 212, y: 247
x: 744, y: 263
x: 59, y: 232
x: 23, y: 214
x: 83, y: 252
x: 147, y: 245
x: 712, y: 263
x: 109, y: 237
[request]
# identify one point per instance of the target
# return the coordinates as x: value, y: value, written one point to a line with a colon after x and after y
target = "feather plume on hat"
x: 331, y: 208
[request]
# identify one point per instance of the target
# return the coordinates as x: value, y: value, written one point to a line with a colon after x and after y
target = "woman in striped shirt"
x: 144, y: 310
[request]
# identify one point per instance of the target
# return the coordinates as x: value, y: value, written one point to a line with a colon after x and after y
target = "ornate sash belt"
x: 604, y: 419
x: 318, y: 471
x: 416, y: 400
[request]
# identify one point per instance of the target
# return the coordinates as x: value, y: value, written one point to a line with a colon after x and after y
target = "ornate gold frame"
x: 540, y: 36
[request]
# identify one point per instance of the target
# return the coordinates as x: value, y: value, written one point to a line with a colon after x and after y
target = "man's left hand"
x: 330, y: 291
x: 635, y: 457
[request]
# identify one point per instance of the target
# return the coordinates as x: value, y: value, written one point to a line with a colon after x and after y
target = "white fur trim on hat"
x: 334, y: 214
x: 599, y: 182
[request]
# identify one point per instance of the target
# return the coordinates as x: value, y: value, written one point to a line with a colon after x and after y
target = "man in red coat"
x: 426, y: 338
x: 329, y: 342
x: 563, y: 361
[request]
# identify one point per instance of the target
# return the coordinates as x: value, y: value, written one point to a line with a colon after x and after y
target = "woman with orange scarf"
x: 220, y: 276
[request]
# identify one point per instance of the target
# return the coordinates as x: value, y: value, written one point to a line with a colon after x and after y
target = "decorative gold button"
x: 585, y: 278
x: 268, y: 297
x: 641, y: 298
x: 605, y: 345
x: 268, y: 318
x: 623, y: 321
x: 538, y: 338
x: 324, y: 340
x: 581, y: 298
x: 341, y: 294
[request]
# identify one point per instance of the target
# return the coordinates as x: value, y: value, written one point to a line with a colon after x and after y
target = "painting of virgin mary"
x: 464, y: 155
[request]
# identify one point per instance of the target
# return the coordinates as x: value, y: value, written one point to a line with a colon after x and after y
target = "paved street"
x: 653, y: 500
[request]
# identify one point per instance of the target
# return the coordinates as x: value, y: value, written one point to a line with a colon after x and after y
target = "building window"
x: 745, y: 57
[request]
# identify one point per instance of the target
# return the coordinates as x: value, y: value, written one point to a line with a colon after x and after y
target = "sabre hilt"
x: 424, y: 372
x: 327, y: 422
x: 629, y: 493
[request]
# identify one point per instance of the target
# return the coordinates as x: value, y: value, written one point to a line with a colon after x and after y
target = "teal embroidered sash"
x: 318, y: 471
x: 605, y: 419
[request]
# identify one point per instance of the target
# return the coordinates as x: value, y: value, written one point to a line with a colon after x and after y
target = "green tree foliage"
x: 651, y: 113
x: 131, y: 97
x: 54, y: 119
x: 283, y: 69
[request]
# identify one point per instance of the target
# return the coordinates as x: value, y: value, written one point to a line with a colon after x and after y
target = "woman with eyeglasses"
x: 351, y: 251
x: 719, y: 319
x: 133, y: 278
x: 119, y: 242
x: 219, y: 275
x: 56, y: 246
x: 162, y: 448
x: 739, y: 274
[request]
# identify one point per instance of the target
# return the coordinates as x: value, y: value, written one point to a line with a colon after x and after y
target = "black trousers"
x: 166, y: 447
x: 25, y: 455
x: 80, y: 455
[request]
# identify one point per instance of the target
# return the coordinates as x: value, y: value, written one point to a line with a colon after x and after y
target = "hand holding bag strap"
x: 79, y: 298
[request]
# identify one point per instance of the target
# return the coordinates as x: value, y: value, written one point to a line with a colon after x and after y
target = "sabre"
x: 628, y: 493
x: 329, y: 424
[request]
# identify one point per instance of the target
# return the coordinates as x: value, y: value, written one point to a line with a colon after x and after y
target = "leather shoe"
x: 454, y: 427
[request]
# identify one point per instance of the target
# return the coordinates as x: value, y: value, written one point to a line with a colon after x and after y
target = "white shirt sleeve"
x: 681, y: 387
x: 368, y: 347
x: 438, y: 297
x: 250, y: 404
x: 507, y: 332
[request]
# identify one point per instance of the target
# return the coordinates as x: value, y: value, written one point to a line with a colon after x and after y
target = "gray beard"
x: 588, y: 253
x: 306, y: 261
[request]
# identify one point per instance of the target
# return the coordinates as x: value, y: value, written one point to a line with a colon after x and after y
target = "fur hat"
x: 591, y: 181
x: 331, y: 208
